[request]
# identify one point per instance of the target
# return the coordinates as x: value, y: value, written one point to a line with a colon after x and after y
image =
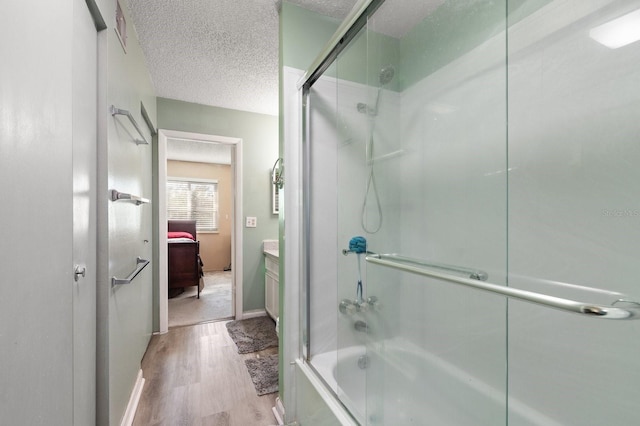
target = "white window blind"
x: 195, y: 200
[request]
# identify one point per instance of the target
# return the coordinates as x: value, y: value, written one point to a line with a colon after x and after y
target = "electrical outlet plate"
x: 251, y: 222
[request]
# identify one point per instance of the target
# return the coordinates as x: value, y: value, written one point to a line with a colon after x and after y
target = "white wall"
x: 36, y: 263
x: 323, y: 239
x: 36, y: 253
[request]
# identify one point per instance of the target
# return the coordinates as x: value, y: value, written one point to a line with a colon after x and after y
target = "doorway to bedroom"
x: 198, y: 180
x: 199, y: 188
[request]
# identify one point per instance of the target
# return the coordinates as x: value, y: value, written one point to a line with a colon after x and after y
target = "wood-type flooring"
x: 194, y: 376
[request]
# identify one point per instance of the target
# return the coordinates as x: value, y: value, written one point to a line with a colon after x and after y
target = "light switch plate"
x: 252, y: 222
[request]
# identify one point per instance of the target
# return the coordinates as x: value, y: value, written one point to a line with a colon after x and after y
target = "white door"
x: 84, y: 213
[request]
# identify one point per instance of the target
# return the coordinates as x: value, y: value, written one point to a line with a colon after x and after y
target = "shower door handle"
x: 630, y: 311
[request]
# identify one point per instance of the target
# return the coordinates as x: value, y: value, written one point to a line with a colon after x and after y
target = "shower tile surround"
x: 550, y: 196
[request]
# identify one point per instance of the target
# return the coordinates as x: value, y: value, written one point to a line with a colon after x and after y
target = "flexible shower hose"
x: 371, y: 183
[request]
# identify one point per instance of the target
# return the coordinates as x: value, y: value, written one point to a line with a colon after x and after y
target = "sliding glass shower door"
x: 574, y: 223
x: 438, y: 352
x: 473, y: 225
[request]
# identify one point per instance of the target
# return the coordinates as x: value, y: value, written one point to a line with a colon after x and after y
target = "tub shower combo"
x: 471, y: 213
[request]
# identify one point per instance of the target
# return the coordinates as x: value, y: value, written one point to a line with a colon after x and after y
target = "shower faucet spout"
x: 361, y: 326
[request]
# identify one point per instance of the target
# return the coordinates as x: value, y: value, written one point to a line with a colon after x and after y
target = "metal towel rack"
x: 631, y: 311
x: 117, y: 111
x: 116, y: 196
x: 140, y: 265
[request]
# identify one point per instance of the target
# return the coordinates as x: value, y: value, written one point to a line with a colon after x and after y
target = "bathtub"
x: 352, y: 389
x: 401, y: 384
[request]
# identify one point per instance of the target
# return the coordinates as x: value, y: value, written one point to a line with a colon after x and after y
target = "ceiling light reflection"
x: 618, y: 32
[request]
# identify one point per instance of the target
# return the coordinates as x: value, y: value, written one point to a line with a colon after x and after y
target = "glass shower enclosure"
x: 472, y: 213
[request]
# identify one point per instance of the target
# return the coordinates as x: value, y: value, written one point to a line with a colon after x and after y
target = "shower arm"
x: 631, y: 310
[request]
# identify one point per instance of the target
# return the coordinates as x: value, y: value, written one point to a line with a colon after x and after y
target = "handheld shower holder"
x: 347, y: 252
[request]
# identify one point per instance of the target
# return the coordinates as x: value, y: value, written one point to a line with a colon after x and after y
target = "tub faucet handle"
x: 374, y: 303
x: 347, y: 307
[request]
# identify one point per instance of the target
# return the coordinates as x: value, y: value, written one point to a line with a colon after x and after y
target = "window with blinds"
x: 193, y: 199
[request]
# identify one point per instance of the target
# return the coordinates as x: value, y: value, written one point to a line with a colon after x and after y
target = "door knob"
x: 80, y: 271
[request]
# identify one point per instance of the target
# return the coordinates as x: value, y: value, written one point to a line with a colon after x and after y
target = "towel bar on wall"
x: 140, y: 265
x: 630, y: 311
x: 117, y: 111
x: 116, y: 196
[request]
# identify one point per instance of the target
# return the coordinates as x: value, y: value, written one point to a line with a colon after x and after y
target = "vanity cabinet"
x: 271, y: 285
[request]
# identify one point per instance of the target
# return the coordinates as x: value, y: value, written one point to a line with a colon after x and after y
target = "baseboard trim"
x: 134, y: 399
x: 254, y: 314
x: 278, y: 411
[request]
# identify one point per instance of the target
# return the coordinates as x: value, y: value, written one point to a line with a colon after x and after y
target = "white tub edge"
x: 334, y: 405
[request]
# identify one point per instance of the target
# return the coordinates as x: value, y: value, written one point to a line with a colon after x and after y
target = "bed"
x: 185, y: 265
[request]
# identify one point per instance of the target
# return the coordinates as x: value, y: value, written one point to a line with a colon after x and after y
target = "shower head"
x: 386, y: 74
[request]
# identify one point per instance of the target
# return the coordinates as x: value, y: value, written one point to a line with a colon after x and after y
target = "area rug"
x: 264, y: 373
x: 253, y: 334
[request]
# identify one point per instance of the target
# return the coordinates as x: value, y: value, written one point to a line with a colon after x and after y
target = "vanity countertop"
x: 273, y: 253
x: 271, y: 248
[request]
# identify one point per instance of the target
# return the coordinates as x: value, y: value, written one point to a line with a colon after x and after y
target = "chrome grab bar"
x: 140, y: 265
x: 475, y: 274
x: 117, y: 111
x: 593, y: 310
x: 116, y: 195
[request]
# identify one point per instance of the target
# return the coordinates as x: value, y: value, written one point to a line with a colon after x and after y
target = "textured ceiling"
x: 217, y: 52
x: 225, y: 52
